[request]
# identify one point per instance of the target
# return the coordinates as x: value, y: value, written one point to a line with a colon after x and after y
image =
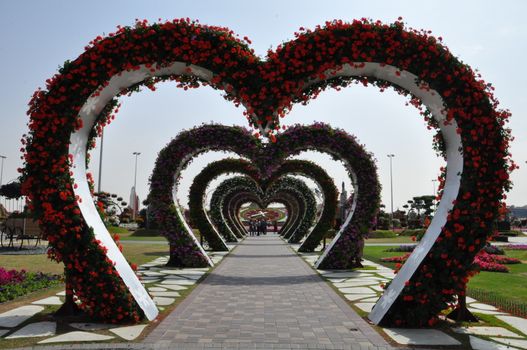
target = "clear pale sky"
x: 38, y: 36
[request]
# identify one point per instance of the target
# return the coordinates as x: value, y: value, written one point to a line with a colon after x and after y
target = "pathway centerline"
x: 263, y: 293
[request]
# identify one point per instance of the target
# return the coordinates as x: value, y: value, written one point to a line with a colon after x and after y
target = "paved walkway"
x: 264, y: 296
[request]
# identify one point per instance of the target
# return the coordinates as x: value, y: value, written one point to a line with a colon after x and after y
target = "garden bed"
x: 15, y: 283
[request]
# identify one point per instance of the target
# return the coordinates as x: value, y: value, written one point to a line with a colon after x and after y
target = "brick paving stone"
x: 264, y: 296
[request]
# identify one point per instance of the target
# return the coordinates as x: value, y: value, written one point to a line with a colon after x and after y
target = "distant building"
x: 134, y: 202
x: 342, y: 212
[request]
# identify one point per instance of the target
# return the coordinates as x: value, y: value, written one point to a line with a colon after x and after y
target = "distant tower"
x: 342, y: 202
x: 134, y: 201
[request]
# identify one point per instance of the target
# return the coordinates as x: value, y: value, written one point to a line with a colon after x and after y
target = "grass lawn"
x: 400, y: 239
x: 135, y: 253
x: 32, y: 263
x: 509, y: 286
x: 139, y: 235
x: 143, y: 253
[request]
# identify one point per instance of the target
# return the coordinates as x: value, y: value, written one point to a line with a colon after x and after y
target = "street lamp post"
x: 2, y: 169
x: 391, y: 189
x: 134, y: 208
x: 100, y: 163
x: 435, y: 195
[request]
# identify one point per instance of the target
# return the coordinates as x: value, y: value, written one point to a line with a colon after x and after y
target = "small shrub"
x: 516, y: 246
x: 412, y: 232
x: 396, y: 259
x: 492, y: 249
x: 17, y: 283
x: 382, y: 234
x: 402, y: 248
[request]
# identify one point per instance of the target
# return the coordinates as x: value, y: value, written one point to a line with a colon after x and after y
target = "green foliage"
x: 32, y: 282
x: 412, y: 232
x: 382, y: 234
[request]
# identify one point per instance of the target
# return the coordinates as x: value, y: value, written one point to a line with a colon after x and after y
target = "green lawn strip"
x: 118, y: 230
x: 31, y: 263
x: 508, y: 286
x: 143, y: 239
x: 518, y: 254
x: 375, y: 253
x: 398, y: 239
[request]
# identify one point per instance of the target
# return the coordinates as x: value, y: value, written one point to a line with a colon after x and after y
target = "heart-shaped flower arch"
x: 64, y: 117
x: 184, y: 247
x: 230, y: 188
x: 299, y: 167
x: 291, y: 200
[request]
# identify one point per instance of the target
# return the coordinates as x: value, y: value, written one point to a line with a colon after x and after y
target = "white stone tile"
x: 163, y: 301
x: 48, y: 301
x: 190, y: 277
x: 13, y: 318
x: 371, y: 300
x: 389, y: 275
x: 181, y: 282
x: 154, y: 274
x: 480, y: 344
x: 39, y: 329
x: 519, y: 343
x: 150, y: 281
x: 76, y: 336
x: 157, y: 289
x: 61, y: 294
x: 166, y: 294
x: 407, y: 336
x: 470, y: 300
x: 357, y: 290
x: 128, y: 333
x: 183, y: 272
x: 486, y: 312
x: 149, y: 265
x: 172, y: 286
x: 354, y: 297
x: 365, y: 262
x: 91, y: 326
x: 487, y: 331
x: 150, y: 278
x: 366, y: 278
x: 365, y: 306
x: 517, y: 322
x: 355, y: 284
x: 377, y: 288
x: 337, y: 280
x: 483, y: 307
x: 348, y: 274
